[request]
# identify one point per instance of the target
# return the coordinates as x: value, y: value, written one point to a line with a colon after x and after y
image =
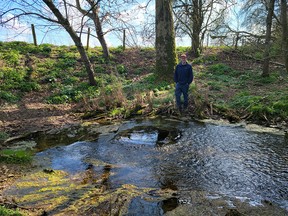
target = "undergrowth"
x: 122, y: 86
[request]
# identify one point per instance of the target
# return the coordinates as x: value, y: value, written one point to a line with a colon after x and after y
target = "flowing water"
x: 185, y: 159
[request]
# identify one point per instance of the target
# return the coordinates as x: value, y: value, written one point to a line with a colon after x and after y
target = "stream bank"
x: 118, y: 160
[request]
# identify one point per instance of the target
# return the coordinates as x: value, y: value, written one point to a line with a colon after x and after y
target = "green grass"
x: 9, y: 212
x: 15, y: 156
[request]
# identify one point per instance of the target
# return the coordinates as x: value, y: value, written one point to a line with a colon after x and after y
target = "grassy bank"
x: 227, y: 83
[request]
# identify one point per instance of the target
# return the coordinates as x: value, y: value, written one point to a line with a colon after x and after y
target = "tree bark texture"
x: 197, y: 17
x: 165, y: 40
x: 265, y: 70
x: 284, y: 24
x: 65, y: 23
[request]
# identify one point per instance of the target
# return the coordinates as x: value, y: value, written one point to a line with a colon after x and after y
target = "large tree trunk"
x: 284, y: 32
x: 165, y: 40
x: 265, y: 70
x: 65, y: 23
x: 197, y: 23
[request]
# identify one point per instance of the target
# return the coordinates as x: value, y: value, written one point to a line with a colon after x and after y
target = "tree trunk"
x: 65, y: 23
x: 165, y: 40
x: 197, y: 23
x: 284, y: 32
x: 93, y: 14
x: 99, y: 33
x: 265, y: 70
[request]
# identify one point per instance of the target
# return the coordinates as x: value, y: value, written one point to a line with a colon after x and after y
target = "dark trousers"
x: 179, y: 90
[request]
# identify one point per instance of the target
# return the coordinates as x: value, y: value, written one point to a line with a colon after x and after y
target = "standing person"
x: 183, y: 77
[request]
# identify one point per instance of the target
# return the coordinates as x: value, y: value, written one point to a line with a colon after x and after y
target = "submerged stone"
x: 148, y: 135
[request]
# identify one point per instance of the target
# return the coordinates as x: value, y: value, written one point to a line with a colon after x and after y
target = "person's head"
x: 183, y: 58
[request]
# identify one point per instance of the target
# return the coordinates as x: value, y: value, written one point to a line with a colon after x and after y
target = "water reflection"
x: 218, y: 159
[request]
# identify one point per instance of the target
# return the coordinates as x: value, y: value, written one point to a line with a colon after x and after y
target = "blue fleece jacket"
x: 183, y: 74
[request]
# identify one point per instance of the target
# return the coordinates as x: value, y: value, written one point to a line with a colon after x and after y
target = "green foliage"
x: 15, y: 156
x: 8, y: 96
x: 160, y: 101
x: 67, y: 94
x: 99, y: 69
x: 45, y: 65
x: 117, y: 50
x: 244, y: 100
x: 111, y: 96
x: 214, y: 85
x: 261, y: 109
x: 266, y: 80
x: 73, y: 93
x: 58, y: 99
x: 121, y: 69
x: 147, y: 83
x: 71, y: 80
x: 57, y: 69
x: 205, y: 59
x: 9, y: 212
x: 20, y: 46
x: 3, y: 136
x: 45, y: 49
x: 221, y: 69
x: 14, y: 84
x: 66, y: 60
x: 181, y: 49
x: 280, y: 106
x: 270, y: 105
x: 29, y: 86
x: 12, y: 57
x: 11, y: 75
x: 118, y: 112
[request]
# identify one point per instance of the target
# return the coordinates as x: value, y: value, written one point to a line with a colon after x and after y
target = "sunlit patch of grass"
x: 15, y: 156
x: 9, y: 212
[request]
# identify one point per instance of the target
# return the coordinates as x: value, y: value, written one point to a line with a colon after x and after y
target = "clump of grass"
x: 9, y: 212
x: 15, y: 156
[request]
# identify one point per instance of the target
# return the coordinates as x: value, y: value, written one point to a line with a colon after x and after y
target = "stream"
x: 159, y: 167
